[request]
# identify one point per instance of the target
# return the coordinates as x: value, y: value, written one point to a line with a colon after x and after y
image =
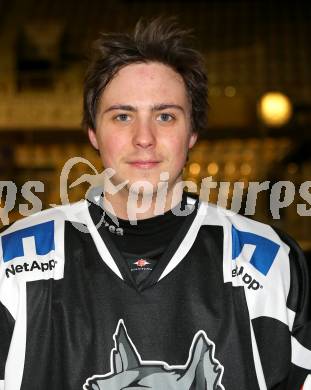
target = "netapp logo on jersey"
x: 37, y: 239
x: 265, y: 251
x: 28, y: 267
x: 247, y: 279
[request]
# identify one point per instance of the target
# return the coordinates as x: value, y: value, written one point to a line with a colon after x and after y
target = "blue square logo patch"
x: 43, y: 234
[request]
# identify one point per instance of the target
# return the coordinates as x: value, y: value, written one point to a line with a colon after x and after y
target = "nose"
x: 144, y: 134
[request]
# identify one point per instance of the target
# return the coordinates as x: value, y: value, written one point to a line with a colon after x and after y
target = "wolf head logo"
x: 129, y: 372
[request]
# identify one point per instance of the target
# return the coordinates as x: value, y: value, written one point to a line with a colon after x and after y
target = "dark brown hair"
x: 160, y: 40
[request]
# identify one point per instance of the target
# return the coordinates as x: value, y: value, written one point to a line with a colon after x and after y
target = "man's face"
x: 143, y: 124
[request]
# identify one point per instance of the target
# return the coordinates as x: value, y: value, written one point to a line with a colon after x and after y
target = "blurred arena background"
x: 251, y: 48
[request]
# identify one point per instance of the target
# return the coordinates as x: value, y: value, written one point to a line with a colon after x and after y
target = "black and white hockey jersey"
x: 226, y: 307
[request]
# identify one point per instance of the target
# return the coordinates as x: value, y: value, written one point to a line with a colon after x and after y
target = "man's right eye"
x: 122, y: 117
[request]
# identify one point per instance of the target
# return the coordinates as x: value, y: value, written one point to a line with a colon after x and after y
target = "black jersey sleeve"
x: 6, y: 330
x: 299, y: 302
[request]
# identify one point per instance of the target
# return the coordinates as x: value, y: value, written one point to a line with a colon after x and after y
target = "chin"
x: 142, y: 187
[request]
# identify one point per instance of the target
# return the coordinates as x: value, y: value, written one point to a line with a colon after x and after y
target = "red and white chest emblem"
x: 141, y: 263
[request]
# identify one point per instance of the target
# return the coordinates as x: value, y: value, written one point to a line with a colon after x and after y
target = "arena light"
x: 212, y: 168
x: 275, y: 109
x: 194, y: 169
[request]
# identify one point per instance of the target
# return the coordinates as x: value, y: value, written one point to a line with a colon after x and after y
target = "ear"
x: 125, y: 357
x: 198, y: 351
x: 193, y: 139
x: 202, y: 369
x: 93, y: 138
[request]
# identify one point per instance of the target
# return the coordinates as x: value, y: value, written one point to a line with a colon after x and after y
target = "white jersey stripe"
x: 100, y: 245
x: 307, y: 383
x: 14, y: 368
x: 187, y: 242
x: 258, y: 366
x: 301, y: 356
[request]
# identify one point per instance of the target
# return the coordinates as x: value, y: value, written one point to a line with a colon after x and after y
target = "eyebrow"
x: 156, y: 107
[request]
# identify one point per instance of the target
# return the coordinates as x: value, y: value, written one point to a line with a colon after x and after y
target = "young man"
x: 178, y: 295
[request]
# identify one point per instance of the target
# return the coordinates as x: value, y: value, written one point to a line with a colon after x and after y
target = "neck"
x: 136, y: 206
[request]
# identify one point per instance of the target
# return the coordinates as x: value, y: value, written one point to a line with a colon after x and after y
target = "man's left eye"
x: 164, y: 117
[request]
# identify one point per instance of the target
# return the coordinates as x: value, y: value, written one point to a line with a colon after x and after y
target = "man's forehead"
x: 156, y: 85
x: 149, y: 70
x: 140, y: 78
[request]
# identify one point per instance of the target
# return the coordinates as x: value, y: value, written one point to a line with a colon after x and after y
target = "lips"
x: 144, y: 164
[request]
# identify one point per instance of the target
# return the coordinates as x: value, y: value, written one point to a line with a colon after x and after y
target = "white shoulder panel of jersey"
x: 33, y: 249
x: 256, y: 258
